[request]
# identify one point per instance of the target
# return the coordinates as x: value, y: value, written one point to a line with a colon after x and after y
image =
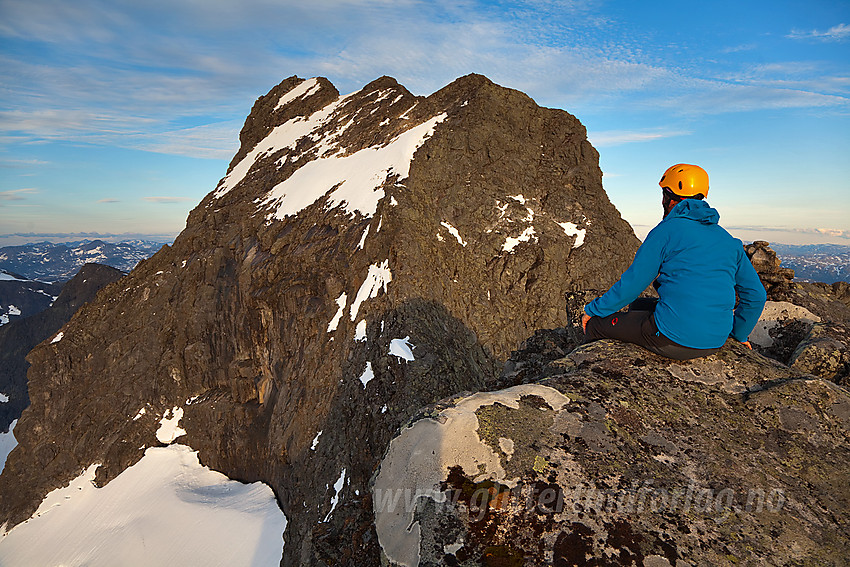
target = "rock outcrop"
x: 776, y: 279
x: 824, y: 352
x: 18, y: 338
x: 804, y: 325
x: 616, y: 456
x: 365, y: 256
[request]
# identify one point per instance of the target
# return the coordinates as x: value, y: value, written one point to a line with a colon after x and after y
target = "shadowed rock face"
x: 616, y: 456
x: 365, y: 256
x: 18, y: 338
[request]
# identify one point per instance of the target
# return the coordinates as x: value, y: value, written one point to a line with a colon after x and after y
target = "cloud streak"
x: 620, y: 137
x: 833, y: 232
x: 16, y: 194
x: 840, y: 32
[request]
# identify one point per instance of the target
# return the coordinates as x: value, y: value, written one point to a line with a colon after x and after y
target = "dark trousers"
x: 638, y: 326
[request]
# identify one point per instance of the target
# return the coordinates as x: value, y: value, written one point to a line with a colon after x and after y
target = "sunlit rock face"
x: 364, y: 256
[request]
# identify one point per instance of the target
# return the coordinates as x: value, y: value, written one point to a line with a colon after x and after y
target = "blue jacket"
x: 699, y: 267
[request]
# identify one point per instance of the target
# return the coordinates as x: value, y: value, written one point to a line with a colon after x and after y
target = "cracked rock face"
x: 364, y: 256
x: 619, y: 457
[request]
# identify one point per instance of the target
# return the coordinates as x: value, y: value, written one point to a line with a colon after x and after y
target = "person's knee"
x: 591, y: 330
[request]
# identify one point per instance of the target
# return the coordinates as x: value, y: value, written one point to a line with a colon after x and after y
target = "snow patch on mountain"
x: 512, y: 242
x: 7, y: 442
x: 353, y: 182
x: 167, y: 509
x: 368, y: 374
x: 360, y: 331
x: 7, y: 277
x: 335, y: 498
x: 281, y: 137
x: 402, y: 349
x: 169, y: 428
x: 378, y: 277
x: 316, y: 441
x: 572, y: 229
x: 341, y: 302
x: 303, y: 90
x: 454, y: 232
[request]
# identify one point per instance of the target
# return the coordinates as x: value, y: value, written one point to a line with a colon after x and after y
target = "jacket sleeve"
x: 751, y: 299
x: 641, y: 273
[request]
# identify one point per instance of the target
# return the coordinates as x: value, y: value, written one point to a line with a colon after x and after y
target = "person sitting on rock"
x: 697, y: 268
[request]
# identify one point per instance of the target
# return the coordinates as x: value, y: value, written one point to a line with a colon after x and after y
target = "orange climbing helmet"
x: 685, y: 180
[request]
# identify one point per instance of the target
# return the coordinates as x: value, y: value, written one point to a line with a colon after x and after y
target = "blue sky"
x: 117, y: 116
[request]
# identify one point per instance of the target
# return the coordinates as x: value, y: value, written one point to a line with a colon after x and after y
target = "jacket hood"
x: 695, y: 209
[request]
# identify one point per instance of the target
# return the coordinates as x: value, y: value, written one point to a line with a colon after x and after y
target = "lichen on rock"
x: 709, y: 462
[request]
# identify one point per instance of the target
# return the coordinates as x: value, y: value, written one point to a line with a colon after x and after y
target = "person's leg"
x: 655, y: 341
x: 638, y: 327
x: 643, y: 304
x: 626, y: 327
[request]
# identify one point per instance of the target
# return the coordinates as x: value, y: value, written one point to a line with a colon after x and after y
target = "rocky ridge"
x: 364, y: 256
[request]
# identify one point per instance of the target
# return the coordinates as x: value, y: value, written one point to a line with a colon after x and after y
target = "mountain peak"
x: 364, y: 256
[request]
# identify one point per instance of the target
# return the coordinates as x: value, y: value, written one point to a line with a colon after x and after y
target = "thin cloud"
x: 739, y: 48
x: 834, y: 232
x: 172, y: 86
x: 108, y: 201
x: 706, y: 96
x: 166, y: 199
x: 22, y: 163
x: 16, y: 194
x: 211, y: 141
x: 841, y: 32
x: 620, y: 137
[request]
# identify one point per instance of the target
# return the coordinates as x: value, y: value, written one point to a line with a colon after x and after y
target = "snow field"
x: 166, y: 509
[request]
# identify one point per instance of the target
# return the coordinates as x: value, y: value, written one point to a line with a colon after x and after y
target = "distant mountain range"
x: 827, y: 263
x: 49, y: 262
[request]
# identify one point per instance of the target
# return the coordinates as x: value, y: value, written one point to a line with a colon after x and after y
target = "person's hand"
x: 584, y: 319
x: 747, y: 344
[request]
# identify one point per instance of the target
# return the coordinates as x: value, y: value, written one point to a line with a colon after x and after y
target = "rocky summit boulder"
x: 364, y: 256
x: 612, y: 455
x: 805, y: 325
